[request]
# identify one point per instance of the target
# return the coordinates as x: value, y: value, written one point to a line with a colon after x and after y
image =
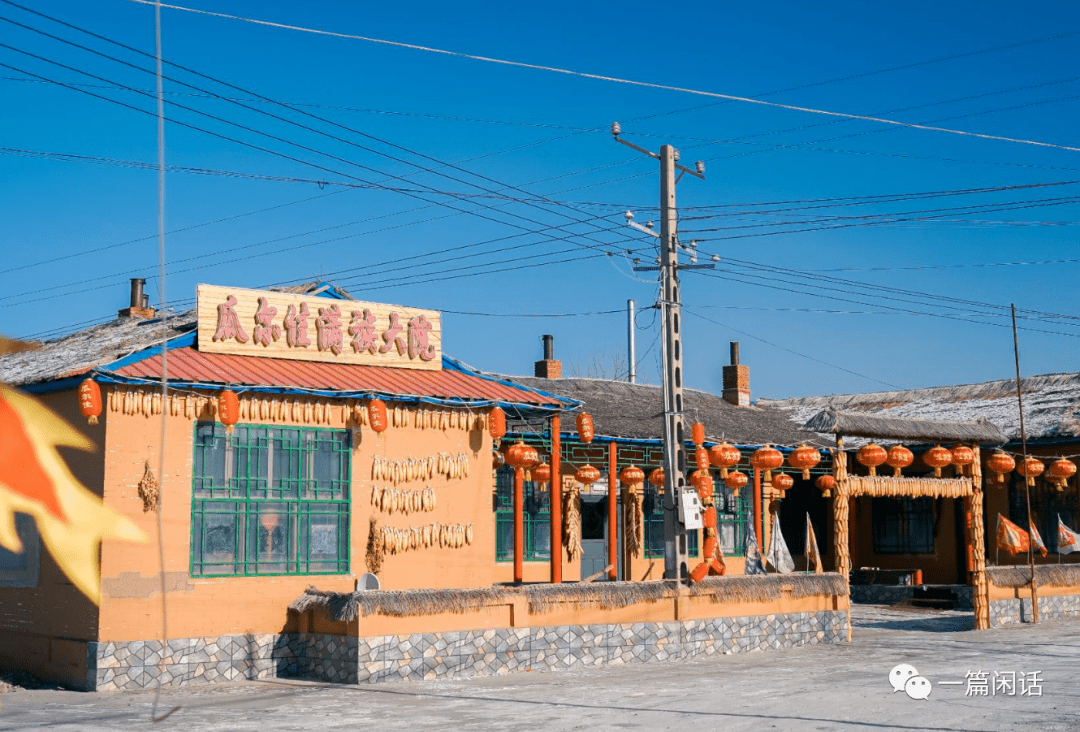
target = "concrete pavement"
x: 809, y: 688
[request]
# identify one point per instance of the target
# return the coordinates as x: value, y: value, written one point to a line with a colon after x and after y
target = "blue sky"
x: 541, y: 135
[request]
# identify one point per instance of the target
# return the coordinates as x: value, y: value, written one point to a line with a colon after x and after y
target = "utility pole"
x: 674, y: 432
x: 631, y: 355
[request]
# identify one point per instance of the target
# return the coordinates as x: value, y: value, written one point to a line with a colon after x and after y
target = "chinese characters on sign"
x: 1000, y: 683
x: 247, y: 322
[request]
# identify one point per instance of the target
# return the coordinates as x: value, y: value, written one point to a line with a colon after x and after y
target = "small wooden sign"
x: 312, y: 328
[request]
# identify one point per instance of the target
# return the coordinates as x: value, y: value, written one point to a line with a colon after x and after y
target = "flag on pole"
x: 1068, y: 541
x: 1011, y: 537
x: 754, y: 565
x: 779, y: 556
x: 1037, y: 538
x: 813, y: 554
x: 35, y: 480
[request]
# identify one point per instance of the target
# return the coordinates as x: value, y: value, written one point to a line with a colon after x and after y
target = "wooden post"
x: 841, y: 518
x: 757, y: 510
x: 613, y: 511
x: 981, y: 588
x: 556, y: 501
x: 519, y: 524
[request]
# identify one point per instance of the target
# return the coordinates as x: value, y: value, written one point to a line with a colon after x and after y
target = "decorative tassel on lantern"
x: 228, y: 405
x: 804, y: 458
x: 90, y: 400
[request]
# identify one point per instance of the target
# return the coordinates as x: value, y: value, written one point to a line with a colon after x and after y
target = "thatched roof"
x: 1046, y: 575
x: 917, y: 430
x: 1051, y: 405
x: 633, y: 411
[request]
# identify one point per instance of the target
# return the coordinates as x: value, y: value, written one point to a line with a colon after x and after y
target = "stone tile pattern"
x: 963, y: 597
x: 341, y: 659
x: 1017, y: 610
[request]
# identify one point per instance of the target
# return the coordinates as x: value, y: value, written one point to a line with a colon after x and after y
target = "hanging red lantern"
x: 377, y: 416
x: 767, y: 459
x: 736, y: 480
x: 937, y: 457
x: 962, y: 457
x: 542, y: 475
x: 585, y: 429
x: 782, y: 482
x: 701, y: 480
x: 1031, y: 469
x: 632, y: 475
x: 899, y: 457
x: 1001, y: 464
x: 586, y: 475
x: 872, y: 455
x: 656, y: 478
x: 701, y: 458
x: 1060, y: 471
x: 825, y: 484
x: 804, y: 458
x: 497, y: 423
x: 228, y: 408
x: 520, y: 455
x: 724, y: 456
x: 697, y: 434
x: 90, y: 400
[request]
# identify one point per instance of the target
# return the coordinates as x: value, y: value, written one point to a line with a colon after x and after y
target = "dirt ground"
x: 813, y: 688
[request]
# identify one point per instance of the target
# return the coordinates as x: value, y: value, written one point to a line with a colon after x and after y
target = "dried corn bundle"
x: 572, y: 524
x: 635, y: 521
x: 148, y: 489
x: 376, y: 547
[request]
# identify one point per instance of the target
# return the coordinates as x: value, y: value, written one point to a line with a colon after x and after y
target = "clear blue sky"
x: 454, y: 110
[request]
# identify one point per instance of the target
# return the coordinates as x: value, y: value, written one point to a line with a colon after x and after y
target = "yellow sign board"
x: 312, y: 328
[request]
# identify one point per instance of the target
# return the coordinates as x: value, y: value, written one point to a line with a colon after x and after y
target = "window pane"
x: 269, y: 538
x: 285, y: 446
x: 216, y: 546
x: 209, y: 460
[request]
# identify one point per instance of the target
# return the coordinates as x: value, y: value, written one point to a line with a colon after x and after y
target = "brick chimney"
x: 736, y: 380
x: 140, y: 302
x: 549, y: 368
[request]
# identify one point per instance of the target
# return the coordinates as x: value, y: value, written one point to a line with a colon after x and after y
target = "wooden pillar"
x: 519, y: 524
x: 841, y: 519
x: 981, y: 588
x: 757, y: 511
x: 556, y: 501
x: 613, y: 511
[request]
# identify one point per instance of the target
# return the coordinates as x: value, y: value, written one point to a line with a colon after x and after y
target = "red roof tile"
x: 187, y: 364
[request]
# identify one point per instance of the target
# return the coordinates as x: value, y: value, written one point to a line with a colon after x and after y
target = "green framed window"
x: 731, y: 519
x: 270, y: 500
x: 652, y: 510
x: 536, y: 542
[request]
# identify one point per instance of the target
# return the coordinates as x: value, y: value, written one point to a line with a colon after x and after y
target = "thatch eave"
x: 831, y: 421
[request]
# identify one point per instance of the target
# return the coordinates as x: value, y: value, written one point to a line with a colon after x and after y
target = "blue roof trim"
x: 451, y: 364
x: 183, y: 341
x: 330, y: 292
x: 655, y: 441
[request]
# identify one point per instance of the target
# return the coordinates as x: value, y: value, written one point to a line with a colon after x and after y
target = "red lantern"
x: 1031, y: 469
x: 1060, y: 471
x: 963, y: 456
x: 767, y: 459
x: 899, y: 457
x: 736, y: 480
x: 585, y: 428
x: 701, y: 458
x: 497, y: 423
x: 937, y: 458
x: 90, y: 400
x: 724, y: 456
x: 782, y: 482
x: 656, y: 478
x: 632, y: 475
x: 825, y: 484
x: 1001, y: 464
x: 542, y: 474
x: 587, y: 475
x: 701, y: 480
x: 697, y: 434
x: 804, y: 458
x: 872, y: 455
x: 228, y: 407
x: 377, y: 417
x: 520, y: 455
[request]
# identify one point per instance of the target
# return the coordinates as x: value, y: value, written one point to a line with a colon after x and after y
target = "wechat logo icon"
x: 906, y: 678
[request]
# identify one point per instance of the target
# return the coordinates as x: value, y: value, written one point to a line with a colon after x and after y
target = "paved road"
x: 814, y: 688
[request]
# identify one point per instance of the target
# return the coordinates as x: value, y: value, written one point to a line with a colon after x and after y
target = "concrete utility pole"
x: 674, y: 432
x: 630, y: 354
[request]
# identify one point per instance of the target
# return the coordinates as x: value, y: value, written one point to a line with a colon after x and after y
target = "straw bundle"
x: 606, y: 595
x: 345, y: 606
x: 888, y: 486
x: 762, y: 588
x: 1046, y: 575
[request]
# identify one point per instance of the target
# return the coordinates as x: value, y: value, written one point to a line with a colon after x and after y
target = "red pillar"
x: 613, y: 511
x: 757, y: 510
x: 519, y: 524
x: 556, y: 501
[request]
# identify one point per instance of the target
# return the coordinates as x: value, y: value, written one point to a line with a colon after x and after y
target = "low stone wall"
x: 1059, y: 593
x: 963, y: 596
x: 459, y: 654
x: 1018, y: 610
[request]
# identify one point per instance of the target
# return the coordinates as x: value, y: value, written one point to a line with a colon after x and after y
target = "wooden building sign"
x: 311, y: 328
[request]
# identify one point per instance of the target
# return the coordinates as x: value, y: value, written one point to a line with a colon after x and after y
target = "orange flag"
x: 34, y: 480
x: 1037, y: 538
x: 1011, y: 537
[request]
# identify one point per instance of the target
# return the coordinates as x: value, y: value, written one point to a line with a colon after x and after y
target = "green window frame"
x: 536, y: 514
x: 269, y: 500
x: 732, y: 515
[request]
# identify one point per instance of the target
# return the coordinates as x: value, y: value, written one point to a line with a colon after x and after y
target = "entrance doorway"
x: 594, y: 535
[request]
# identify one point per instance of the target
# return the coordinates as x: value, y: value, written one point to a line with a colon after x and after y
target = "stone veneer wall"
x: 349, y: 660
x: 963, y: 596
x: 1018, y: 610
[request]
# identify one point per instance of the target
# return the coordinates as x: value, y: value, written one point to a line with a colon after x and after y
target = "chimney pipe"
x: 145, y: 300
x: 734, y: 353
x: 137, y: 292
x: 548, y: 368
x: 549, y: 347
